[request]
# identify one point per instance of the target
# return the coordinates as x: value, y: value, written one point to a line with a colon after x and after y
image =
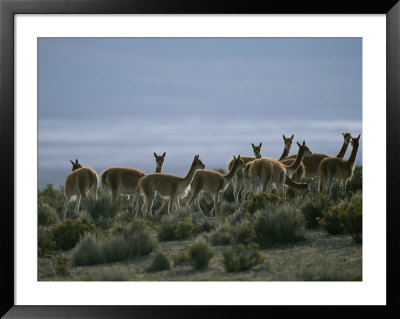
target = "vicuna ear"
x: 155, y: 155
x: 304, y: 143
x: 260, y: 145
x: 292, y: 137
x: 72, y: 162
x: 343, y: 134
x: 164, y: 154
x: 252, y: 145
x: 76, y: 161
x: 298, y: 144
x: 238, y: 156
x: 284, y: 138
x: 358, y: 136
x: 234, y: 157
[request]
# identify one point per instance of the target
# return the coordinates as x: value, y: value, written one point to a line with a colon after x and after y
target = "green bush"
x: 200, y: 253
x: 133, y: 241
x: 242, y: 257
x: 351, y: 218
x: 261, y: 201
x: 160, y: 262
x: 61, y: 267
x: 67, y: 235
x: 312, y: 208
x: 222, y: 236
x: 53, y: 198
x: 102, y: 210
x: 45, y: 242
x: 47, y: 215
x: 182, y: 223
x: 311, y: 212
x: 283, y: 224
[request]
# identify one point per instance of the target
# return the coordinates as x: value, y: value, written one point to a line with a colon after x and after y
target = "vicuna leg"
x: 149, y: 203
x: 237, y: 184
x: 67, y: 200
x: 78, y: 201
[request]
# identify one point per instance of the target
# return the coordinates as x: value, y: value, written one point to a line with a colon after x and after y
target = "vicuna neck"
x: 285, y: 152
x: 158, y: 169
x: 353, y: 154
x: 232, y: 172
x: 343, y: 150
x: 189, y: 176
x: 299, y: 158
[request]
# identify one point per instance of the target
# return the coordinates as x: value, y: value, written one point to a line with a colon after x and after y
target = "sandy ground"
x: 321, y: 257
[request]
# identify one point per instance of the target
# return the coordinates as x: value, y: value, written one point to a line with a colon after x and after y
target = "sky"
x: 115, y: 101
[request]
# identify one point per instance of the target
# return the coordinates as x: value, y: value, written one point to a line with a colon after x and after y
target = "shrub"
x: 99, y: 249
x: 51, y: 197
x: 330, y: 221
x: 283, y: 224
x: 351, y: 218
x: 101, y: 210
x: 45, y: 242
x: 67, y: 235
x: 260, y: 201
x: 200, y: 253
x: 182, y: 224
x: 311, y: 211
x: 222, y: 236
x: 160, y: 262
x: 47, y: 215
x: 61, y: 267
x: 242, y: 257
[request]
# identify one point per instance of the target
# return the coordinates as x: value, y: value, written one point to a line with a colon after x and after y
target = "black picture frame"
x: 8, y: 8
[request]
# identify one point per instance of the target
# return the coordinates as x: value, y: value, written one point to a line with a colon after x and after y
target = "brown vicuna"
x: 268, y: 171
x: 299, y: 188
x: 311, y: 164
x: 288, y: 144
x: 166, y: 185
x: 287, y: 141
x: 338, y: 168
x: 238, y: 178
x: 214, y: 183
x: 125, y: 180
x: 79, y: 182
x: 292, y: 166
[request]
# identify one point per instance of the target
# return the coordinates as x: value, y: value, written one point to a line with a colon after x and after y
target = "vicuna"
x: 79, y: 182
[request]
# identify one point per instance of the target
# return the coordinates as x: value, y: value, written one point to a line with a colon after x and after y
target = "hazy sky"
x: 115, y: 101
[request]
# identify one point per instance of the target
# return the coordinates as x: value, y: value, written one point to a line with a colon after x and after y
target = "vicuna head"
x: 288, y: 141
x: 75, y: 165
x: 238, y: 162
x: 257, y: 150
x: 306, y: 150
x: 347, y: 137
x: 355, y: 141
x: 197, y: 163
x: 159, y: 161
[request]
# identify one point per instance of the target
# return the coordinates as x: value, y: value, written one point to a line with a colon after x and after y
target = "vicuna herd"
x: 251, y: 174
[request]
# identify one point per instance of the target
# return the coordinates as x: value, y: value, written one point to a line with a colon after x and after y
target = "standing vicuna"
x: 311, y: 164
x: 288, y: 144
x: 339, y: 168
x: 79, y: 182
x: 125, y: 180
x: 214, y: 182
x: 167, y: 185
x: 269, y: 171
x: 238, y: 178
